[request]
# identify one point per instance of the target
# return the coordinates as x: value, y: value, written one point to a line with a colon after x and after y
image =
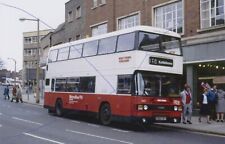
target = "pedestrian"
x: 204, y: 106
x: 220, y: 105
x: 14, y: 91
x: 186, y: 97
x: 6, y: 92
x: 212, y: 94
x: 19, y: 94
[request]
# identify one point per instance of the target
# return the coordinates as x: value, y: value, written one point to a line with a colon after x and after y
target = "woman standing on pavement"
x: 220, y: 105
x: 19, y: 94
x: 204, y: 106
x: 14, y: 91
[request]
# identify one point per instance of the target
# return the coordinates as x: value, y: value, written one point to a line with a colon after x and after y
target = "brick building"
x: 201, y: 24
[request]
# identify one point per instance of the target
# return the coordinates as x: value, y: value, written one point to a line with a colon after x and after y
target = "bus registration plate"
x: 160, y: 118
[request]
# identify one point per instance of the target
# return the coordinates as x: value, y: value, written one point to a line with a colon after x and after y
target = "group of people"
x: 16, y: 94
x: 211, y: 103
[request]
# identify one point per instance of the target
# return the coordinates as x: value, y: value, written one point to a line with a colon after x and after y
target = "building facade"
x: 30, y: 55
x: 201, y: 23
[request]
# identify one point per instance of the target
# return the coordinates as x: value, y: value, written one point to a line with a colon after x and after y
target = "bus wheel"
x: 59, y: 108
x: 105, y: 114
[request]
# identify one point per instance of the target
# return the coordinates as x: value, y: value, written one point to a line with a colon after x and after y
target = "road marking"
x: 28, y: 121
x: 93, y: 125
x: 77, y: 122
x: 0, y: 113
x: 101, y: 137
x: 120, y: 130
x: 0, y: 125
x: 42, y: 138
x: 207, y: 134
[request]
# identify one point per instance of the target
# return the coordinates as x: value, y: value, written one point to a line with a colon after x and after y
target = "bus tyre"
x: 105, y: 114
x: 59, y: 108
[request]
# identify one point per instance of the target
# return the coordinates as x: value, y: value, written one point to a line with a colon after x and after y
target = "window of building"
x: 126, y: 42
x: 30, y: 40
x: 78, y: 12
x: 212, y: 13
x: 170, y: 17
x: 90, y: 48
x: 30, y: 52
x: 102, y: 2
x: 75, y: 51
x: 63, y: 54
x: 124, y: 84
x: 129, y: 21
x: 99, y: 29
x: 95, y: 3
x: 53, y: 56
x: 107, y: 45
x: 70, y: 16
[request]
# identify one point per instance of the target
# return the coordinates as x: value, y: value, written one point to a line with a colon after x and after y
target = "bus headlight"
x: 142, y: 107
x: 175, y: 108
x: 145, y: 107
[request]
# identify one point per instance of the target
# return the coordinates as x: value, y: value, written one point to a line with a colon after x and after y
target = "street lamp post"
x: 14, y: 68
x: 38, y: 57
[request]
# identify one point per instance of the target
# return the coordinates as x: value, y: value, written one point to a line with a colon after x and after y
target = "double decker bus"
x: 133, y: 75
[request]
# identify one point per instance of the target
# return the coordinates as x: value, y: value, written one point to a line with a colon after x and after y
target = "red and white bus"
x: 132, y: 74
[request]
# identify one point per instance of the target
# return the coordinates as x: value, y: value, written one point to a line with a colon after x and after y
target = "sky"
x: 52, y: 12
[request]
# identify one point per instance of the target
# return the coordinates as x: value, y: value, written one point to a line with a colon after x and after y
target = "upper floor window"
x: 30, y: 40
x: 78, y: 12
x: 102, y: 2
x: 107, y: 45
x: 170, y: 16
x: 129, y: 21
x: 99, y: 29
x: 30, y: 52
x: 95, y: 3
x: 212, y: 13
x: 70, y: 16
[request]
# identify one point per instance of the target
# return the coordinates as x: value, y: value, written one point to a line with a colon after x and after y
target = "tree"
x: 1, y: 63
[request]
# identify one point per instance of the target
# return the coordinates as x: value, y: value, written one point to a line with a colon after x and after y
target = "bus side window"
x: 47, y: 82
x: 124, y: 84
x: 126, y: 42
x: 52, y: 84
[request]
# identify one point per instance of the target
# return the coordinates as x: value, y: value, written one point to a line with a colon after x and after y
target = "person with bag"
x: 14, y: 91
x: 220, y: 106
x: 186, y: 97
x: 204, y: 106
x: 6, y: 92
x: 212, y: 94
x: 19, y: 94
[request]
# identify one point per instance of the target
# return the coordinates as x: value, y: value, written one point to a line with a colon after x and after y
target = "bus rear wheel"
x: 59, y: 108
x: 105, y: 114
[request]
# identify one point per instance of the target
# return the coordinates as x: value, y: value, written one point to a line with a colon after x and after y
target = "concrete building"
x: 201, y: 24
x: 30, y: 51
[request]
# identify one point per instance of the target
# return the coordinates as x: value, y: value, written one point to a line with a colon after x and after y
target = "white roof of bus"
x: 119, y: 32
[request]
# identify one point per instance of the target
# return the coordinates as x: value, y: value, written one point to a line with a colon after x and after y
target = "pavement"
x: 217, y: 128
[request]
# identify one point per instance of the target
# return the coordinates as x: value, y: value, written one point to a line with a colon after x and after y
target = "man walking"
x: 186, y: 97
x: 6, y: 92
